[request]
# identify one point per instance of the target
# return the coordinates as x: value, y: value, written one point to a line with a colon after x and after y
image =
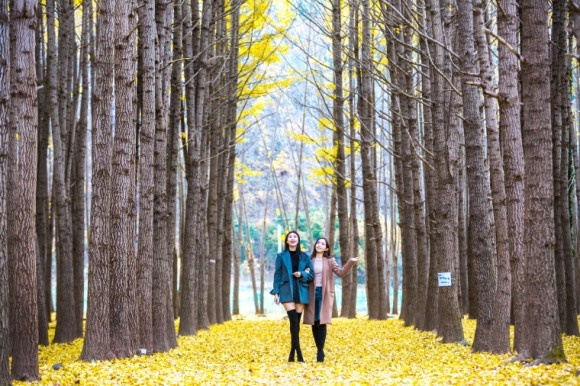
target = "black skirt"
x: 296, y: 294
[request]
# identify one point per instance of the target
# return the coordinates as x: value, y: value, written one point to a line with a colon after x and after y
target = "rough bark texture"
x: 42, y: 197
x: 123, y: 260
x: 97, y: 344
x: 446, y: 150
x: 541, y: 340
x: 4, y: 274
x: 481, y: 225
x: 147, y: 73
x: 511, y: 141
x: 500, y: 338
x: 65, y: 311
x: 79, y: 175
x: 23, y: 121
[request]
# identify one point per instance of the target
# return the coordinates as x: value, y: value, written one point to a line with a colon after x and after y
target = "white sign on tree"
x: 444, y: 279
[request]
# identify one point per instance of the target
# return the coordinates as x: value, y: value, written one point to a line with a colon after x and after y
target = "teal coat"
x: 284, y: 280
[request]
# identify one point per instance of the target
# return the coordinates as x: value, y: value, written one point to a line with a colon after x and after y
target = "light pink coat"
x: 329, y: 268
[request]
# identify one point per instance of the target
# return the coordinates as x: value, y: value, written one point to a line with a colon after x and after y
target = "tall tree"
x: 123, y: 211
x: 23, y: 121
x: 97, y: 343
x: 66, y: 325
x: 502, y: 299
x: 445, y: 148
x: 147, y: 99
x: 78, y: 179
x: 373, y: 234
x: 43, y: 223
x: 560, y: 89
x: 513, y: 156
x: 481, y: 236
x: 4, y: 100
x: 339, y: 179
x: 163, y: 324
x: 541, y: 339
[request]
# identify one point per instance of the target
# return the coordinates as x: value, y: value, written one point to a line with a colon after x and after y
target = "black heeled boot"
x: 297, y: 344
x: 320, y: 343
x: 291, y: 319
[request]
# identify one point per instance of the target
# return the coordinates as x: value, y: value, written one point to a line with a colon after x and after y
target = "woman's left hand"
x: 354, y: 259
x: 297, y: 274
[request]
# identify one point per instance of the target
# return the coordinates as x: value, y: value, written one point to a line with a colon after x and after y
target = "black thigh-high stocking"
x: 320, y: 342
x: 291, y: 319
x: 297, y: 345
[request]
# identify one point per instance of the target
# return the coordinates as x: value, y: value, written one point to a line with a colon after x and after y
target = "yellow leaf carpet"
x: 252, y: 350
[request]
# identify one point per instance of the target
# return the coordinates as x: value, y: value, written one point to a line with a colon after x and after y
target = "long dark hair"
x: 286, y: 246
x: 326, y: 252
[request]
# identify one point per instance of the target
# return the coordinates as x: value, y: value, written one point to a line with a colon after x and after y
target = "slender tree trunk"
x: 481, y: 235
x: 541, y: 340
x: 23, y: 121
x: 42, y: 195
x: 146, y: 169
x: 445, y: 147
x: 123, y: 260
x: 173, y: 132
x: 66, y: 324
x: 501, y: 309
x: 511, y: 140
x: 431, y: 311
x: 97, y: 342
x: 4, y: 163
x: 80, y: 218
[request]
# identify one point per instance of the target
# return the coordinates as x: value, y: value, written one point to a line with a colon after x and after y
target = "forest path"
x: 253, y: 350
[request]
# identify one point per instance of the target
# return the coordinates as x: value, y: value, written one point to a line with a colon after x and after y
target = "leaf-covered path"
x: 253, y: 351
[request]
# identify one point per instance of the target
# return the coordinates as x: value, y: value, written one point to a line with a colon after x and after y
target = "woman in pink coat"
x: 318, y: 312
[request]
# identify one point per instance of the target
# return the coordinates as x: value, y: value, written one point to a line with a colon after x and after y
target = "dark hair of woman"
x: 326, y: 252
x: 286, y: 246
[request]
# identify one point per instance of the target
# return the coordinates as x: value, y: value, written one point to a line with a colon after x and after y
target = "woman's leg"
x: 291, y: 311
x: 299, y: 309
x: 321, y: 341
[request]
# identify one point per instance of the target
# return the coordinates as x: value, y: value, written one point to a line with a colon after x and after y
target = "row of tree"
x: 119, y: 137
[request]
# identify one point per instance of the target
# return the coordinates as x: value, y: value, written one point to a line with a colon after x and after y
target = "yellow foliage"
x: 254, y: 351
x: 243, y: 171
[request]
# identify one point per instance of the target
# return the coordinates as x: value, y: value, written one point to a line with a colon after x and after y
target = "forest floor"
x: 252, y: 350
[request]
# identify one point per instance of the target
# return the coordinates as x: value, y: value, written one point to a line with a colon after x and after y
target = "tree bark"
x: 541, y: 340
x: 23, y: 121
x: 97, y: 342
x: 147, y: 142
x: 4, y: 163
x: 511, y: 142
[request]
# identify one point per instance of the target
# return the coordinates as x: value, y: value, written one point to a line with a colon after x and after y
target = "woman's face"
x: 293, y: 240
x: 321, y: 246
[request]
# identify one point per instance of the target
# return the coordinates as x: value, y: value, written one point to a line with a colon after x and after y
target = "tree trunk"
x: 511, y: 141
x: 4, y: 161
x: 560, y: 86
x: 23, y: 121
x: 541, y: 339
x: 481, y: 220
x: 79, y: 180
x: 66, y: 324
x: 173, y: 134
x: 501, y: 309
x: 123, y: 260
x: 97, y: 342
x: 446, y: 150
x: 146, y: 168
x: 42, y: 196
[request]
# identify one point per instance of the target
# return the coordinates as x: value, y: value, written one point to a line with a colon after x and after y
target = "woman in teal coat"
x: 292, y: 276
